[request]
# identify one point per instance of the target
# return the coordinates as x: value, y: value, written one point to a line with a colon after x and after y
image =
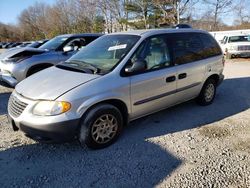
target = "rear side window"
x: 186, y: 48
x: 211, y: 47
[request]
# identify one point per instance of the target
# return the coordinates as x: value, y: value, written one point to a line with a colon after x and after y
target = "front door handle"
x: 182, y: 76
x: 170, y: 79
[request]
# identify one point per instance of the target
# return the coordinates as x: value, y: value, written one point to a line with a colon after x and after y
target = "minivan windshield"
x: 54, y: 43
x: 244, y: 38
x: 102, y: 55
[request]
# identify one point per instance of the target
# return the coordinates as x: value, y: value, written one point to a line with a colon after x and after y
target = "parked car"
x: 16, y: 65
x: 7, y: 44
x: 14, y: 44
x: 37, y: 44
x: 236, y: 45
x: 116, y: 79
x: 33, y: 44
x: 2, y: 44
x: 25, y: 44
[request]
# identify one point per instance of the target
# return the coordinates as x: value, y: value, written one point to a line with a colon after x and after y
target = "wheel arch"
x: 115, y: 102
x: 40, y: 65
x: 215, y: 77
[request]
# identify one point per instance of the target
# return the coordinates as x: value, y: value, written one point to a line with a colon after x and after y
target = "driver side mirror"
x: 68, y: 49
x: 136, y: 67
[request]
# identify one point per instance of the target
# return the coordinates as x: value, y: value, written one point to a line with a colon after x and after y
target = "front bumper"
x: 239, y: 53
x: 7, y: 78
x: 5, y: 74
x: 57, y: 132
x: 57, y: 128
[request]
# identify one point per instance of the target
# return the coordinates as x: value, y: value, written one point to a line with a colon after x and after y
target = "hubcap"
x: 209, y: 93
x: 104, y: 128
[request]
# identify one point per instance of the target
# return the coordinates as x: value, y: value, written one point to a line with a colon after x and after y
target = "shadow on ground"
x: 131, y: 162
x: 4, y: 97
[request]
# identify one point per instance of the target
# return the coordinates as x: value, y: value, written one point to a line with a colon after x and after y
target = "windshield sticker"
x: 118, y: 47
x: 63, y: 39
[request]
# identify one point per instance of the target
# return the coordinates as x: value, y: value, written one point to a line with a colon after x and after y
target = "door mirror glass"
x: 136, y: 67
x: 68, y: 49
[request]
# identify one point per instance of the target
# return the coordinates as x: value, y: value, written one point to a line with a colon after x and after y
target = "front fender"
x: 101, y: 98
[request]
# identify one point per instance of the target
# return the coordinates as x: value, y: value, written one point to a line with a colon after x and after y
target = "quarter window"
x: 211, y: 47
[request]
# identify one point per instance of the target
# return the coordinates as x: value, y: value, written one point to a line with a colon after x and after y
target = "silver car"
x: 19, y: 63
x: 116, y: 79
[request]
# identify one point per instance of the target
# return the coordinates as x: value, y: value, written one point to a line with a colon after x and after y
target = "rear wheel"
x: 207, y: 93
x: 101, y: 126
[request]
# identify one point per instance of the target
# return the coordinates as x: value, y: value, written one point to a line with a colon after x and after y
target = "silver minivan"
x: 116, y: 79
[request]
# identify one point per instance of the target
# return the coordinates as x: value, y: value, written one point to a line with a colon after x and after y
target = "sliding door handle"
x: 182, y: 76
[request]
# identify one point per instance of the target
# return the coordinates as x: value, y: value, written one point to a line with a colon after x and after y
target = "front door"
x: 154, y: 88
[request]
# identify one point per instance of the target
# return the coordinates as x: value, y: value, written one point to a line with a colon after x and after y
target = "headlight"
x: 15, y: 59
x: 6, y: 72
x: 51, y: 108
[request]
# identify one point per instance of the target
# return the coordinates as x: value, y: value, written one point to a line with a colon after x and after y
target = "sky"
x: 11, y: 9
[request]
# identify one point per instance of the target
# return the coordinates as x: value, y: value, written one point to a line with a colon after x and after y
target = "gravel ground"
x: 184, y: 146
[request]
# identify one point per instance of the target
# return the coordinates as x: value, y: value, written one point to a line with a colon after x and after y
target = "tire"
x: 100, y: 121
x: 207, y: 94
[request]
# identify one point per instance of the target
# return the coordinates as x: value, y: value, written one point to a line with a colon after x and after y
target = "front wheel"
x: 101, y: 126
x: 207, y: 93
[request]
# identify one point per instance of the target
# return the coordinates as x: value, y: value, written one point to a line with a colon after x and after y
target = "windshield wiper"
x: 84, y: 64
x: 65, y: 67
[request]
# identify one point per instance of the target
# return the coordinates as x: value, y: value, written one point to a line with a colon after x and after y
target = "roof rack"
x: 183, y: 26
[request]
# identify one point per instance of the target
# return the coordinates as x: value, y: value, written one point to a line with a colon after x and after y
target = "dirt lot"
x: 184, y: 146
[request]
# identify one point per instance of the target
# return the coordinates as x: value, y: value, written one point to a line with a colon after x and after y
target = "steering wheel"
x: 158, y: 65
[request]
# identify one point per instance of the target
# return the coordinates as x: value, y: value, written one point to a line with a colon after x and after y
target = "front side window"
x: 154, y: 52
x: 54, y: 43
x: 187, y: 47
x: 103, y: 54
x: 77, y: 43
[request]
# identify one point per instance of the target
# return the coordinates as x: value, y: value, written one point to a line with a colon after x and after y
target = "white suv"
x: 236, y: 46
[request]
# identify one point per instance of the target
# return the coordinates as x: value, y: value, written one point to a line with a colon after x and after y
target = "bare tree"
x: 174, y: 10
x: 33, y: 20
x: 141, y: 10
x: 242, y: 12
x: 217, y: 8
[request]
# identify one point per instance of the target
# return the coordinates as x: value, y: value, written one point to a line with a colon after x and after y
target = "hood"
x: 51, y: 83
x: 21, y: 52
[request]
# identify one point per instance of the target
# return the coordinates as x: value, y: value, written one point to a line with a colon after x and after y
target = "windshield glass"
x: 244, y: 38
x: 53, y: 43
x: 224, y: 40
x: 104, y: 53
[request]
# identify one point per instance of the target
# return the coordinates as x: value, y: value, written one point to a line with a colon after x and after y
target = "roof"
x: 82, y: 35
x: 146, y: 32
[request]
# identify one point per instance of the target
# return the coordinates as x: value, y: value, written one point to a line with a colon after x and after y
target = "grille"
x: 15, y: 106
x: 244, y: 48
